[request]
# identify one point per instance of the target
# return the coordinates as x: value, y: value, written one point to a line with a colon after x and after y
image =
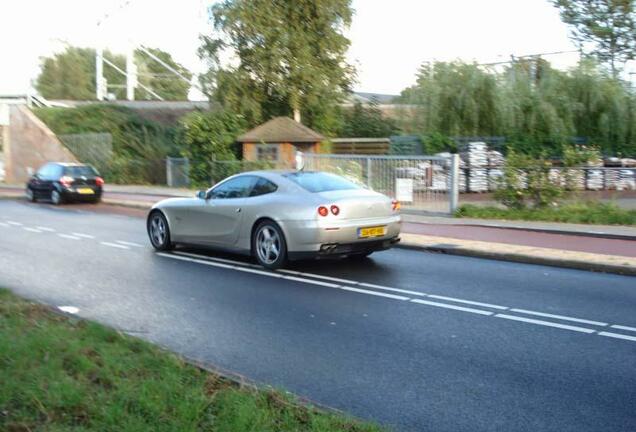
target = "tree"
x: 291, y: 55
x: 608, y: 25
x: 209, y: 136
x: 367, y: 121
x: 71, y: 75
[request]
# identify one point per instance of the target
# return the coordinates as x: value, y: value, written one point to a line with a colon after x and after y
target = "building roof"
x: 281, y: 130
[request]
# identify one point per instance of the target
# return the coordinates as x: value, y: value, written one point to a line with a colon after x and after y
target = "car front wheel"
x: 56, y: 197
x: 159, y: 232
x: 269, y: 246
x: 30, y: 195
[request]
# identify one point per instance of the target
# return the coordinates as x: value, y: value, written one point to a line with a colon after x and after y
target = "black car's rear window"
x: 80, y: 171
x: 320, y: 181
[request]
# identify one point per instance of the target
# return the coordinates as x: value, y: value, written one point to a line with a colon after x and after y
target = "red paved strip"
x: 526, y: 238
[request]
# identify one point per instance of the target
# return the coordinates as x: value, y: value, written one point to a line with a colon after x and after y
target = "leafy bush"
x: 590, y: 212
x: 207, y: 137
x: 140, y: 146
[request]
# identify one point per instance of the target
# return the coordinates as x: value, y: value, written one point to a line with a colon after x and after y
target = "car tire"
x: 30, y: 195
x: 56, y: 197
x: 269, y: 246
x: 159, y: 231
x: 96, y: 200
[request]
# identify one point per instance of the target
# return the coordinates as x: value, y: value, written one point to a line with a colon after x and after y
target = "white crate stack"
x: 476, y: 157
x: 626, y: 179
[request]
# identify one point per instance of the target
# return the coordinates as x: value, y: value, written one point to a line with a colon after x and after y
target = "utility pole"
x: 100, y: 94
x: 131, y: 75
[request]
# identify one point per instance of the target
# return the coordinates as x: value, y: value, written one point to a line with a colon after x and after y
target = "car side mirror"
x: 201, y: 195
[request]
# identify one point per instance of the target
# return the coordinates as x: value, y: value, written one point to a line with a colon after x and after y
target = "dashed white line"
x: 617, y: 336
x: 546, y: 323
x: 2, y: 224
x: 68, y: 236
x: 621, y: 327
x: 127, y: 243
x: 318, y: 276
x: 374, y: 293
x: 309, y: 281
x: 449, y: 306
x: 398, y: 290
x: 561, y: 317
x: 310, y: 278
x: 14, y: 223
x: 88, y: 236
x: 33, y: 230
x: 474, y: 303
x: 69, y: 309
x: 47, y: 229
x: 114, y: 245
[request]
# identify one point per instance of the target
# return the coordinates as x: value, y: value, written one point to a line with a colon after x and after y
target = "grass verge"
x: 598, y: 213
x: 64, y: 374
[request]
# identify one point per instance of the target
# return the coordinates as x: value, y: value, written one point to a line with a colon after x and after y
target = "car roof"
x: 69, y: 164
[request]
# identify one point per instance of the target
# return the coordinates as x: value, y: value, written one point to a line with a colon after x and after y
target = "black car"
x: 62, y: 182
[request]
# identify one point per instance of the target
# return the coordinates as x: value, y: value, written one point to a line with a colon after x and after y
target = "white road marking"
x: 127, y: 243
x: 14, y: 223
x: 47, y: 229
x: 114, y: 245
x: 68, y: 236
x: 474, y: 303
x: 561, y: 317
x: 223, y: 260
x: 2, y: 224
x: 309, y: 281
x: 382, y: 287
x: 319, y: 276
x: 620, y: 327
x: 618, y: 336
x: 88, y: 236
x: 69, y: 309
x: 375, y: 293
x: 546, y: 323
x: 448, y: 306
x: 305, y: 278
x: 34, y: 230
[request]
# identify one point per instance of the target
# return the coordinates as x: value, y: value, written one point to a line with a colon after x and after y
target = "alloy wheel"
x: 158, y: 232
x: 56, y: 198
x: 268, y: 245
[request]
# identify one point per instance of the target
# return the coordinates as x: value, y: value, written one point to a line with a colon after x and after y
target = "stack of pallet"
x: 475, y: 155
x: 626, y: 179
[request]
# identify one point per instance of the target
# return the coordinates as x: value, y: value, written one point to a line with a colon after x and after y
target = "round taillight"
x: 335, y: 210
x: 99, y: 181
x: 322, y: 211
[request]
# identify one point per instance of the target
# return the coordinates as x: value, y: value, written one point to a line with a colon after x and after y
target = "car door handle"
x: 238, y: 210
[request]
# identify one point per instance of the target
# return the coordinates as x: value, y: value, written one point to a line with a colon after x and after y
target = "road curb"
x: 608, y: 236
x: 522, y: 258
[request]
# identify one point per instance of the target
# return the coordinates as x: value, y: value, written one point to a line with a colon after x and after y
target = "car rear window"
x: 80, y: 171
x: 320, y: 181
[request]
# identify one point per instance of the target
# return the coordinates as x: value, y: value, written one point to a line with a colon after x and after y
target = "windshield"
x: 79, y: 171
x: 320, y: 181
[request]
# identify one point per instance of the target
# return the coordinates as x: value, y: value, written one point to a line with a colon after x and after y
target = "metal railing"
x: 423, y: 183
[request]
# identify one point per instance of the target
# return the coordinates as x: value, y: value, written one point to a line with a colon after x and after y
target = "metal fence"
x: 177, y: 172
x: 220, y: 169
x: 91, y: 148
x: 423, y: 183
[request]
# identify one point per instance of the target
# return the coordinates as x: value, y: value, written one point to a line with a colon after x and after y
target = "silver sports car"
x: 278, y: 216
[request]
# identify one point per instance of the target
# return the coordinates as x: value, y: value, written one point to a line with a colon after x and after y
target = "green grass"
x: 580, y: 212
x: 64, y: 374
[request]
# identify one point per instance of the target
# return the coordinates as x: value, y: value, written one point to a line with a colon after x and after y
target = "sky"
x: 390, y: 39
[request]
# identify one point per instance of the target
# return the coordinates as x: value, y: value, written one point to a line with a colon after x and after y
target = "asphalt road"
x: 414, y: 340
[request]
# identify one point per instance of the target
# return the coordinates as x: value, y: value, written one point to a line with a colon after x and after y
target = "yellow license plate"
x: 377, y: 231
x: 87, y: 191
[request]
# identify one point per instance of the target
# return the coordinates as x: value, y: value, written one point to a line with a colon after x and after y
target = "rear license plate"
x: 376, y: 231
x: 85, y: 191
